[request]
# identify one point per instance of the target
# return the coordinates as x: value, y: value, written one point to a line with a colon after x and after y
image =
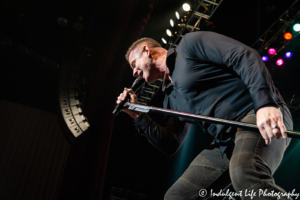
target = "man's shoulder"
x: 191, y: 38
x: 202, y: 34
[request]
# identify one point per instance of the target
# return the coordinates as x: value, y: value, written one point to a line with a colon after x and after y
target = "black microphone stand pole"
x: 213, y: 120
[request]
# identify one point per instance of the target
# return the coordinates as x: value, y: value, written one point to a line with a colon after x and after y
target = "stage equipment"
x: 186, y: 7
x: 169, y: 33
x: 213, y: 120
x: 277, y: 28
x: 279, y: 62
x: 69, y: 94
x: 203, y: 10
x: 288, y: 54
x: 164, y: 41
x: 296, y: 27
x: 265, y: 58
x: 68, y: 91
x: 288, y: 36
x: 272, y: 51
x: 177, y: 15
x: 172, y: 22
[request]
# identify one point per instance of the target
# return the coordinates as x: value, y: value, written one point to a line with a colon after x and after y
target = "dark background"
x: 36, y: 160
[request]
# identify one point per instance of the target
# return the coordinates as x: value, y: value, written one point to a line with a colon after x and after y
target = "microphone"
x: 135, y: 86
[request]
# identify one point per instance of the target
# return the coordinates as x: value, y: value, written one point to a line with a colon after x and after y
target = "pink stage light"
x: 272, y: 51
x: 279, y: 62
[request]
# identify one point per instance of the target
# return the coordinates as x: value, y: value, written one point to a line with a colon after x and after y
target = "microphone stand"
x: 148, y: 109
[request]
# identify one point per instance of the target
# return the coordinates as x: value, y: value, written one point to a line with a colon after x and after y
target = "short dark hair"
x: 148, y: 41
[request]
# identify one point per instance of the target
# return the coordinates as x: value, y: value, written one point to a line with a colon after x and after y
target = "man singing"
x: 213, y: 75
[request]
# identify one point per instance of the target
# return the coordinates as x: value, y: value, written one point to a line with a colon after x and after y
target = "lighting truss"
x: 203, y: 10
x: 147, y: 92
x: 272, y: 34
x: 277, y: 28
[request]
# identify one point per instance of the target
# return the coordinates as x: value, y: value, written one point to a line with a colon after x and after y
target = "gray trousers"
x: 249, y: 167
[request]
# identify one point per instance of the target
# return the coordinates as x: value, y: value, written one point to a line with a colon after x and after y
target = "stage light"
x: 287, y: 36
x: 272, y: 51
x: 164, y: 41
x: 288, y: 54
x: 279, y: 62
x: 177, y: 15
x: 169, y: 33
x: 265, y: 58
x: 172, y: 22
x: 186, y: 7
x: 296, y: 27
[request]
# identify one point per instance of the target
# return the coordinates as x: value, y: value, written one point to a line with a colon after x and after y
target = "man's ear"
x: 147, y: 50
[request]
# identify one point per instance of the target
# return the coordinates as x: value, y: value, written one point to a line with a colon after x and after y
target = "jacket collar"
x: 170, y: 60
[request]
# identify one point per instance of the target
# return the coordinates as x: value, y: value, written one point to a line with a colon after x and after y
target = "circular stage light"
x: 288, y: 54
x: 265, y: 58
x: 186, y: 7
x: 164, y: 41
x: 296, y: 27
x: 279, y: 62
x: 272, y: 51
x: 287, y: 36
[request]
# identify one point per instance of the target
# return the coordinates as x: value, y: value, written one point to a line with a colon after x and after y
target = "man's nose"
x: 135, y: 72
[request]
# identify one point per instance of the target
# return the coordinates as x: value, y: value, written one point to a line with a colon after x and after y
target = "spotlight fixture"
x: 164, y: 41
x: 172, y: 22
x: 288, y: 54
x: 177, y: 15
x: 186, y: 7
x: 272, y: 51
x: 169, y: 33
x: 287, y: 36
x: 279, y: 62
x: 296, y: 27
x: 265, y: 58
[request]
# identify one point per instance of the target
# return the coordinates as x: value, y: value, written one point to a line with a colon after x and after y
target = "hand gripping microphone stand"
x: 147, y: 109
x: 213, y: 120
x: 135, y: 86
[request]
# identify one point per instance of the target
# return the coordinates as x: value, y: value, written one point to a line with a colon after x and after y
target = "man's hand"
x: 133, y: 99
x: 268, y: 117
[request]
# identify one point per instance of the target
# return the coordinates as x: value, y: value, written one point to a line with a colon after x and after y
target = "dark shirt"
x: 212, y: 75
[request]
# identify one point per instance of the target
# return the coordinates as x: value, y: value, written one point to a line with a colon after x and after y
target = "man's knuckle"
x: 260, y: 124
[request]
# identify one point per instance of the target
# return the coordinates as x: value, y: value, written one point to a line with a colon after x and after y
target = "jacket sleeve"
x: 245, y: 61
x: 168, y: 139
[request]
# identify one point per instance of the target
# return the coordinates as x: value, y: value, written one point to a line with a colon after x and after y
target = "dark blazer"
x: 212, y: 75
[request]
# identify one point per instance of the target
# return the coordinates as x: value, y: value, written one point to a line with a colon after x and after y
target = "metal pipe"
x: 213, y: 120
